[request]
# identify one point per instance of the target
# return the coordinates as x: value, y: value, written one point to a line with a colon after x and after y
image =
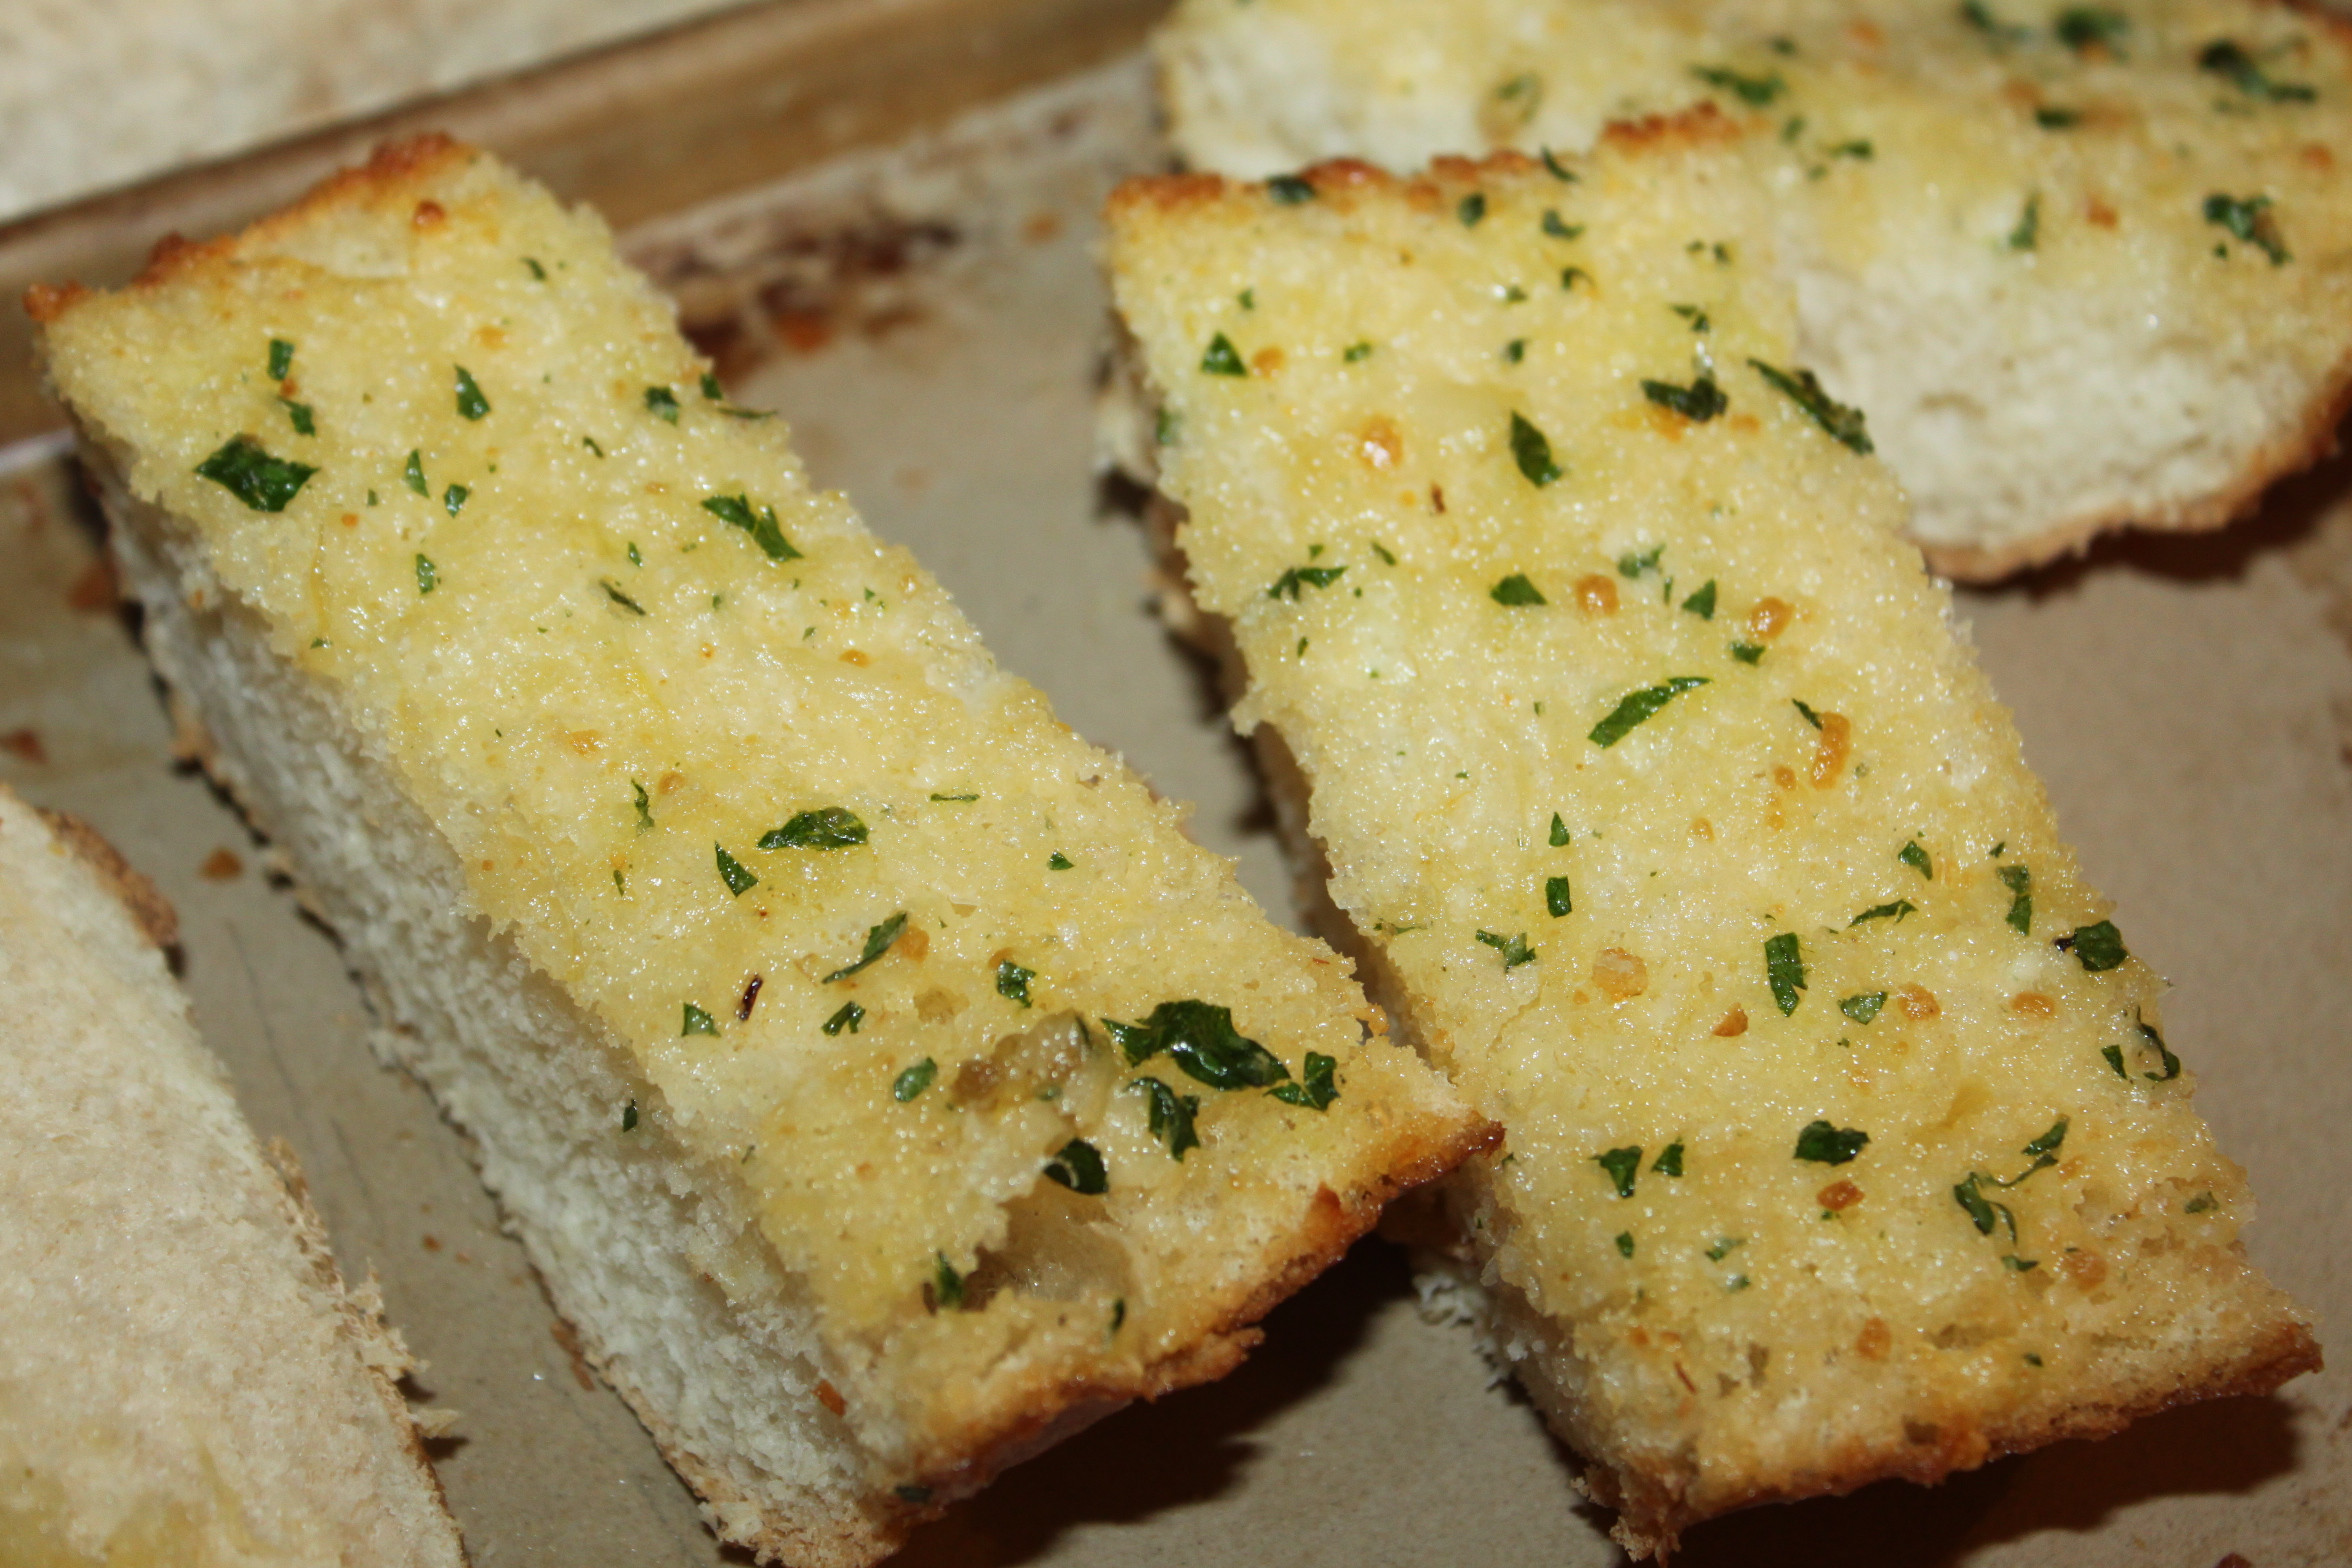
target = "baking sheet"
x: 931, y: 322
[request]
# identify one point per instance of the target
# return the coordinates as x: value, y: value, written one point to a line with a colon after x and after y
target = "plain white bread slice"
x: 184, y: 1379
x: 881, y: 1081
x: 1676, y: 822
x: 2083, y: 266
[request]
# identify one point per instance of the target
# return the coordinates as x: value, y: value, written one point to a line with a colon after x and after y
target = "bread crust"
x: 149, y: 909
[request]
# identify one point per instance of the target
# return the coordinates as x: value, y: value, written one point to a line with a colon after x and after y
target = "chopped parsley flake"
x: 2083, y: 28
x: 1695, y: 316
x: 1669, y: 1160
x: 1290, y: 190
x: 849, y: 1017
x: 1533, y: 453
x: 538, y: 272
x: 2098, y: 947
x: 878, y: 940
x: 1558, y: 228
x: 711, y: 389
x: 644, y: 813
x: 1171, y: 1115
x: 697, y: 1022
x: 956, y: 799
x: 635, y: 558
x: 1514, y: 949
x: 1748, y: 652
x: 2020, y: 1265
x: 1982, y: 1211
x: 1824, y: 1144
x: 1381, y: 550
x: 428, y: 576
x: 2172, y: 1063
x: 1287, y: 586
x: 613, y: 592
x: 662, y: 404
x: 1560, y: 171
x: 2249, y: 219
x: 1516, y: 591
x: 914, y: 1080
x: 629, y: 1117
x: 471, y: 404
x: 1079, y: 1167
x: 1755, y: 91
x: 2052, y: 119
x: 1515, y: 350
x: 1845, y: 425
x: 1202, y: 1040
x: 1702, y: 603
x: 1569, y: 275
x: 1895, y: 911
x: 1471, y: 209
x: 1622, y: 1165
x: 1784, y: 967
x: 1699, y: 402
x: 2114, y: 1055
x: 1916, y: 858
x: 262, y: 482
x: 1556, y: 898
x: 737, y: 512
x: 1978, y: 16
x: 2027, y: 234
x: 2202, y: 1203
x: 1638, y: 706
x: 734, y: 873
x: 1012, y: 982
x: 1057, y: 861
x: 1559, y: 831
x: 827, y: 827
x: 2019, y: 881
x: 1317, y: 1087
x: 2224, y: 58
x: 1222, y: 359
x: 1631, y: 565
x: 1806, y: 711
x: 1356, y: 351
x: 1625, y: 1243
x: 947, y: 1288
x: 301, y: 416
x: 454, y: 499
x: 1862, y: 1009
x: 281, y: 354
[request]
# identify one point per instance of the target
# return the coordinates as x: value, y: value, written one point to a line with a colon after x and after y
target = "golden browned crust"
x: 2310, y: 441
x: 149, y: 909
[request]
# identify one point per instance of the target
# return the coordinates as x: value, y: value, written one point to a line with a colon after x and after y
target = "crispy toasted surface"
x: 863, y: 918
x: 183, y: 1378
x: 2001, y: 224
x: 1682, y: 831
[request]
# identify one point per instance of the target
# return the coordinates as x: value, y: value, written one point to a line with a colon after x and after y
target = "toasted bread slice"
x: 2083, y: 267
x: 184, y: 1378
x: 1681, y: 829
x: 883, y: 1083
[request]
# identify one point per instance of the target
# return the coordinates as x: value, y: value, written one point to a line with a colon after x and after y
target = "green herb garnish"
x: 1895, y: 911
x: 1222, y: 359
x: 1699, y: 402
x: 697, y: 1022
x: 1669, y: 1160
x: 2114, y: 1055
x: 644, y: 814
x: 1204, y: 1043
x: 947, y: 1289
x: 1702, y: 603
x: 662, y: 404
x: 1533, y: 453
x: 2223, y: 57
x: 1916, y: 858
x: 1755, y: 91
x: 2019, y: 881
x: 454, y: 499
x: 471, y: 404
x: 428, y: 576
x: 878, y: 940
x: 1471, y: 209
x: 262, y: 482
x: 1171, y: 1115
x: 2027, y: 234
x: 1622, y: 1165
x: 1287, y: 586
x: 1317, y: 1087
x: 2202, y: 1203
x: 2172, y: 1063
x: 1638, y: 706
x: 2086, y: 27
x: 1559, y: 834
x: 1625, y: 1243
x: 1057, y: 861
x: 2051, y: 119
x: 1516, y: 591
x: 1975, y: 13
x: 538, y: 272
x: 1079, y: 1167
x: 734, y: 873
x: 1514, y: 949
x: 849, y: 1017
x: 1012, y: 982
x: 914, y: 1080
x: 1784, y: 967
x: 1845, y: 425
x: 1862, y: 1009
x: 827, y: 827
x: 1556, y: 897
x: 281, y: 358
x: 301, y: 416
x: 737, y: 512
x: 2249, y: 219
x: 2097, y: 947
x: 1356, y: 351
x: 956, y: 799
x: 1559, y: 170
x: 1824, y: 1144
x: 613, y: 592
x: 1748, y: 652
x: 1290, y: 190
x: 1982, y: 1211
x: 629, y: 1117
